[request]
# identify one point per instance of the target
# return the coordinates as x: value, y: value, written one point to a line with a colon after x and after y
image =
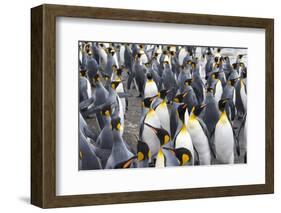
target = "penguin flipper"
x: 86, y: 103
x: 207, y: 133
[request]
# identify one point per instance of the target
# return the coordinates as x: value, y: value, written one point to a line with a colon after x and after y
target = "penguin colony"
x: 193, y: 105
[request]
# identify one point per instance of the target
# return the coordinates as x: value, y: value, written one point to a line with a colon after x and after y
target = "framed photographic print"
x: 137, y: 106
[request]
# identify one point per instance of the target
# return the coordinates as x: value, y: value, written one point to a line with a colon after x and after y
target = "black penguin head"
x: 163, y: 93
x: 125, y: 164
x: 143, y: 151
x: 149, y: 76
x: 219, y: 50
x: 139, y: 55
x: 83, y: 72
x: 119, y: 72
x: 106, y: 111
x: 147, y: 64
x: 210, y: 90
x: 240, y: 56
x: 226, y: 58
x: 188, y: 81
x: 114, y: 84
x: 179, y: 97
x: 198, y: 109
x: 216, y: 59
x: 116, y: 123
x: 161, y: 133
x: 181, y: 111
x: 147, y: 102
x: 97, y: 78
x: 184, y: 156
x: 222, y: 104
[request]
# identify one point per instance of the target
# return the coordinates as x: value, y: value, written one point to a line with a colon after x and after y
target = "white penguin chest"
x: 224, y: 141
x: 183, y: 139
x: 150, y: 89
x: 218, y: 91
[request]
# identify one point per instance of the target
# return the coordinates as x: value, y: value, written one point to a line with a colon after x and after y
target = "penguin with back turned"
x: 121, y: 156
x: 211, y: 114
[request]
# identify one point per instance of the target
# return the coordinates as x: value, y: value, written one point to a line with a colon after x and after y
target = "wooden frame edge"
x: 43, y: 107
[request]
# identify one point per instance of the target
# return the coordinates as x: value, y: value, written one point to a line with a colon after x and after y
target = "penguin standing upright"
x: 139, y: 75
x: 100, y: 97
x: 200, y: 135
x: 150, y: 88
x: 182, y: 138
x: 169, y: 81
x: 151, y: 131
x: 211, y: 113
x: 85, y: 90
x: 215, y: 83
x: 121, y: 156
x: 88, y: 159
x: 224, y: 139
x: 159, y: 104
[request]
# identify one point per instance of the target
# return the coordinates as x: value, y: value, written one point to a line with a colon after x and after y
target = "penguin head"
x: 216, y: 59
x: 110, y: 51
x: 106, y: 111
x: 147, y: 102
x: 116, y: 123
x: 162, y: 94
x: 147, y: 64
x: 149, y: 76
x: 143, y: 151
x: 184, y: 156
x: 240, y: 56
x: 188, y: 82
x: 181, y: 110
x: 83, y: 72
x: 97, y: 78
x: 210, y: 90
x: 162, y: 134
x: 179, y: 97
x: 114, y: 84
x: 125, y: 164
x: 222, y: 104
x: 119, y: 72
x: 198, y: 109
x: 114, y: 67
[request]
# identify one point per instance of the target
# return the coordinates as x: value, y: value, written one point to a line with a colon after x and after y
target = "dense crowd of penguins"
x: 191, y: 98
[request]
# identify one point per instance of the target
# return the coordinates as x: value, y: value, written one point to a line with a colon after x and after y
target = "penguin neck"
x: 117, y: 137
x: 192, y: 117
x: 223, y: 118
x: 107, y: 121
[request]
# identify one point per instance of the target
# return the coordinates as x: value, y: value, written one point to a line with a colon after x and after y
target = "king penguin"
x: 224, y: 139
x: 182, y: 138
x: 150, y: 88
x: 200, y: 135
x: 121, y: 156
x: 160, y: 106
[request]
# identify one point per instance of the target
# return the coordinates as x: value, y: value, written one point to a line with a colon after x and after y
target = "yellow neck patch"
x: 223, y: 118
x: 140, y: 156
x: 185, y: 158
